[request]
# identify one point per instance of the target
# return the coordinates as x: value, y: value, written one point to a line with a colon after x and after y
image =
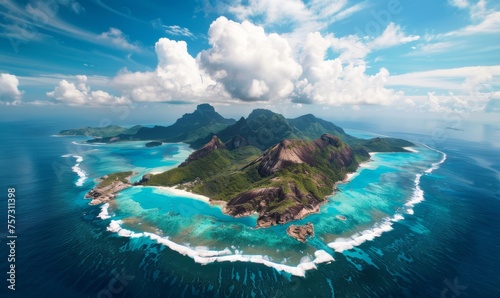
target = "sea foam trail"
x: 104, y: 214
x: 85, y: 144
x: 204, y: 256
x: 341, y: 244
x: 76, y: 168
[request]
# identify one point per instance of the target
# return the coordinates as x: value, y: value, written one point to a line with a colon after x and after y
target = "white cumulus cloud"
x: 9, y: 90
x: 251, y: 64
x: 177, y: 77
x: 328, y: 81
x: 79, y: 94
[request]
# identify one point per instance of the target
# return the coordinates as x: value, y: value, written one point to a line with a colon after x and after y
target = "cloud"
x: 452, y: 103
x: 177, y: 77
x: 489, y: 24
x: 74, y: 5
x: 9, y: 90
x: 116, y: 37
x: 392, y: 36
x: 250, y: 64
x: 458, y: 79
x: 430, y: 48
x: 410, y: 102
x: 354, y: 49
x: 493, y: 105
x: 79, y: 94
x: 297, y: 17
x: 271, y: 11
x: 245, y: 63
x: 330, y: 82
x: 179, y: 31
x: 26, y: 24
x: 175, y: 30
x: 459, y: 3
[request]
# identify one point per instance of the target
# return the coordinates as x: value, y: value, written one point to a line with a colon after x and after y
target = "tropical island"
x: 280, y: 169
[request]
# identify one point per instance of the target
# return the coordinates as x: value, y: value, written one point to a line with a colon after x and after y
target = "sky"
x: 426, y: 58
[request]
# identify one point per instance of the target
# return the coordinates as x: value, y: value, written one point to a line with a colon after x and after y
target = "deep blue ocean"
x: 446, y: 245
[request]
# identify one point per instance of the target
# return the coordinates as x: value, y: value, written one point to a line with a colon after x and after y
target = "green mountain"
x: 191, y: 126
x: 262, y: 129
x: 107, y: 131
x: 287, y: 182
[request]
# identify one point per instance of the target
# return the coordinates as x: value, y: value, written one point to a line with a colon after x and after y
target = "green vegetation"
x: 107, y: 131
x: 217, y: 164
x: 121, y: 176
x: 384, y: 145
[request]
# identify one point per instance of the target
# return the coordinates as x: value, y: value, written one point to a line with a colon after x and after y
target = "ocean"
x: 419, y: 224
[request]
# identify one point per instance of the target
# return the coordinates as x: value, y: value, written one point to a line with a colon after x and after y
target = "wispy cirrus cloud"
x: 39, y: 20
x: 174, y: 30
x: 482, y: 21
x: 118, y: 39
x: 179, y: 31
x: 393, y: 35
x: 455, y: 79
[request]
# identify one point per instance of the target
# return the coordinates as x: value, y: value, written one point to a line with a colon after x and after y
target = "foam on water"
x: 204, y: 256
x: 85, y: 144
x: 104, y: 214
x: 76, y: 169
x: 341, y: 244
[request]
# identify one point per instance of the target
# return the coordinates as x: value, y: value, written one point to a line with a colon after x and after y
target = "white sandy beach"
x: 182, y: 193
x: 411, y: 149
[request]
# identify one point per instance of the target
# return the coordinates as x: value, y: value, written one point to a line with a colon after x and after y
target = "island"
x: 280, y: 169
x: 109, y: 186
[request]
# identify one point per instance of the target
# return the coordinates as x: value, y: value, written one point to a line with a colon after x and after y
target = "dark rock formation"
x: 262, y: 201
x: 290, y: 152
x: 301, y: 232
x: 153, y: 144
x: 236, y: 143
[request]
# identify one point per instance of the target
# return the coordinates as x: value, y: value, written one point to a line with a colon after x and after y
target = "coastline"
x: 183, y: 193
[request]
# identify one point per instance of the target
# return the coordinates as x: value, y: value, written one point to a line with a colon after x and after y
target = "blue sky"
x: 396, y: 55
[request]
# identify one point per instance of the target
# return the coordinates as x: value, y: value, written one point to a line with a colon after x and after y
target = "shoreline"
x: 183, y: 193
x: 203, y: 256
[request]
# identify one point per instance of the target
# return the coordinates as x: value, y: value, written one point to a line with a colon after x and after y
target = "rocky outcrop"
x: 290, y: 152
x: 105, y: 194
x: 274, y: 205
x: 145, y: 178
x: 236, y: 143
x: 153, y: 144
x: 301, y: 233
x: 214, y: 144
x: 107, y: 189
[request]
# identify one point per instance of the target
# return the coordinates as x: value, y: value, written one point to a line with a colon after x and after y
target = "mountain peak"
x: 205, y: 108
x: 258, y: 112
x: 214, y: 144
